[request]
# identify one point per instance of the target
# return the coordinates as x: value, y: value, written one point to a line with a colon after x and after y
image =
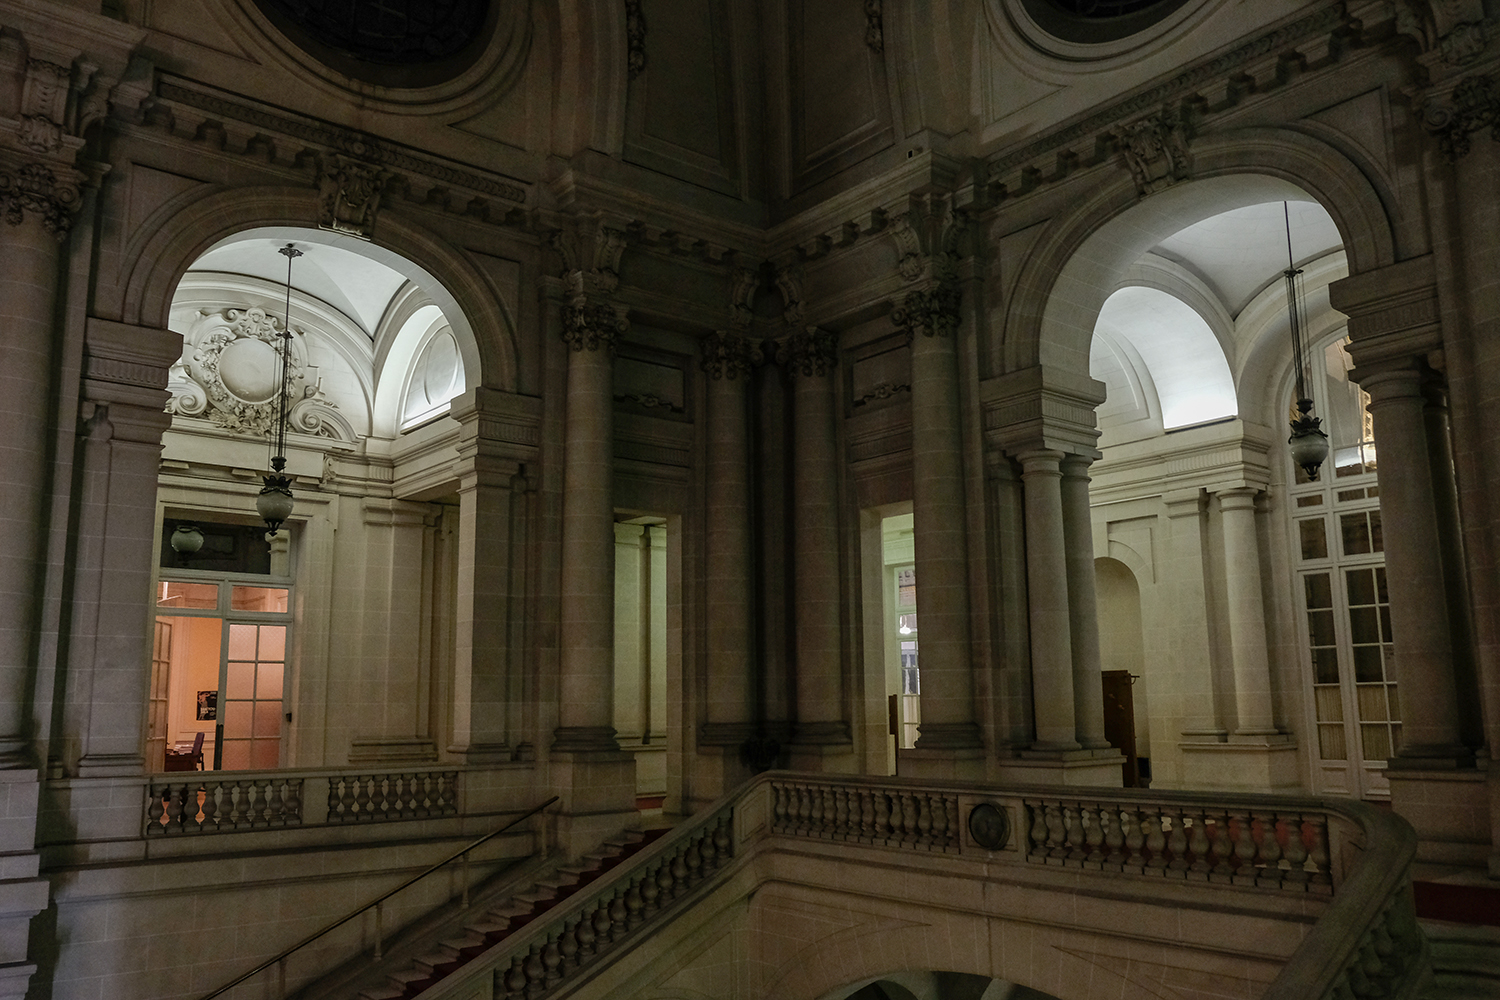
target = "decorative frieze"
x: 35, y: 188
x: 635, y: 39
x: 1155, y: 148
x: 874, y: 30
x: 730, y: 356
x: 349, y: 196
x: 811, y: 353
x: 1473, y: 105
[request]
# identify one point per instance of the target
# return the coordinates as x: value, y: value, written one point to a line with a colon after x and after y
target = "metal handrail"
x: 463, y: 853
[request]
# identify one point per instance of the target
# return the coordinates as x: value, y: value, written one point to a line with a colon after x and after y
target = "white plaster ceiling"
x: 1185, y: 361
x: 1238, y: 253
x: 355, y: 285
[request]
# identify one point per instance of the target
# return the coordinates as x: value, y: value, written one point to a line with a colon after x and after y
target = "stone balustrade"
x: 1233, y: 844
x: 1365, y: 943
x: 582, y: 932
x: 232, y: 801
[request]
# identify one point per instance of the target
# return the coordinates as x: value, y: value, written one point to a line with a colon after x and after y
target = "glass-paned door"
x: 906, y: 642
x: 222, y: 647
x: 157, y: 721
x: 1345, y: 628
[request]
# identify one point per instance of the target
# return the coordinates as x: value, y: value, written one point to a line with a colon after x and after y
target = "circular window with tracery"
x: 392, y: 43
x: 1088, y: 22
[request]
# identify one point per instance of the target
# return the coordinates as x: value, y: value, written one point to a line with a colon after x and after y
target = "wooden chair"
x: 186, y: 760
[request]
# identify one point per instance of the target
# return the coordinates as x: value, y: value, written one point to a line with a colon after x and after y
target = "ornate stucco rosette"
x: 230, y: 374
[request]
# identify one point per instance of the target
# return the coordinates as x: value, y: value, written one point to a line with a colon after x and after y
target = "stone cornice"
x: 1033, y: 409
x: 1393, y: 312
x: 186, y: 106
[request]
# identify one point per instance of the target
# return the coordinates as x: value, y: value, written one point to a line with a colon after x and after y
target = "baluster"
x: 1077, y: 838
x: 1198, y: 843
x: 1296, y: 852
x: 1269, y: 851
x: 551, y: 960
x: 694, y: 861
x: 155, y: 809
x: 536, y: 973
x: 634, y: 905
x: 1177, y: 843
x: 910, y: 831
x: 1321, y: 879
x: 1094, y: 837
x: 723, y: 843
x: 1036, y: 835
x: 585, y: 935
x: 1156, y: 840
x: 1244, y: 848
x: 866, y: 816
x: 515, y: 979
x: 602, y: 930
x: 1114, y: 837
x: 362, y: 796
x: 922, y: 806
x: 619, y: 915
x: 940, y: 829
x: 212, y: 797
x: 1135, y: 840
x: 817, y: 820
x: 1057, y: 835
x: 650, y: 892
x: 1223, y: 849
x: 294, y: 801
x: 567, y: 946
x: 350, y: 799
x: 679, y: 873
x: 665, y: 881
x: 259, y: 796
x: 881, y: 832
x: 174, y: 808
x: 230, y: 801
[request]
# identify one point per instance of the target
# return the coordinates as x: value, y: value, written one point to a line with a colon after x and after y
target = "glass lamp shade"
x: 1308, y: 445
x: 274, y: 504
x: 186, y: 539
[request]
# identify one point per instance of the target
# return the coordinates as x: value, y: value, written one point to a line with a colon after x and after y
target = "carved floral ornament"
x: 35, y: 188
x: 228, y: 375
x: 349, y: 196
x: 1155, y: 149
x: 811, y: 353
x: 589, y: 325
x: 933, y: 309
x: 1474, y: 105
x: 729, y: 356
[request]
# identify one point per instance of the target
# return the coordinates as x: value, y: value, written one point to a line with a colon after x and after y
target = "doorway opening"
x: 640, y: 705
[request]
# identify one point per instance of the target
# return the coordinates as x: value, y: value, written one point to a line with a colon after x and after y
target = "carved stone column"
x: 1420, y: 625
x: 1083, y: 604
x: 810, y: 358
x: 1052, y: 678
x: 585, y: 710
x: 1247, y: 614
x: 36, y: 202
x: 124, y: 392
x: 930, y: 318
x: 494, y: 428
x: 730, y: 721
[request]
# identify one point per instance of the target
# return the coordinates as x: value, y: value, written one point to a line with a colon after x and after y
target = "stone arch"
x: 1076, y: 262
x: 457, y: 286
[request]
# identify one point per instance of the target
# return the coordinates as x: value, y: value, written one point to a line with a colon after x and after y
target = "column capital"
x: 812, y: 352
x: 729, y: 356
x: 1076, y: 464
x: 590, y: 324
x: 933, y: 310
x: 1041, y: 462
x: 47, y: 192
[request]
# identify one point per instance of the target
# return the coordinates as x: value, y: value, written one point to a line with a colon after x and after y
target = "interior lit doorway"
x: 219, y: 653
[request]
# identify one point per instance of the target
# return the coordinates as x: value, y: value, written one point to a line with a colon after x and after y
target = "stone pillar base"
x: 1083, y: 768
x: 1450, y: 811
x: 941, y: 765
x: 597, y: 799
x: 1244, y: 764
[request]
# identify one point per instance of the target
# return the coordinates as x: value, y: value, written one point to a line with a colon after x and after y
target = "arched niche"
x: 1078, y: 260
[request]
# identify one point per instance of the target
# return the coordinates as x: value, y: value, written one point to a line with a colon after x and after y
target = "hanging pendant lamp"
x: 274, y: 504
x: 1308, y: 443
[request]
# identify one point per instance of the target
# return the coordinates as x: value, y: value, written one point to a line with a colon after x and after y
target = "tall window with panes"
x: 1339, y: 560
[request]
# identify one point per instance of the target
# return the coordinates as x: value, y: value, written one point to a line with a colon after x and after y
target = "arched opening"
x: 1122, y: 657
x: 257, y: 636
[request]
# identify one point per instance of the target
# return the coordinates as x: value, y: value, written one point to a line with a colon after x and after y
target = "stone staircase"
x: 1465, y: 961
x: 426, y: 952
